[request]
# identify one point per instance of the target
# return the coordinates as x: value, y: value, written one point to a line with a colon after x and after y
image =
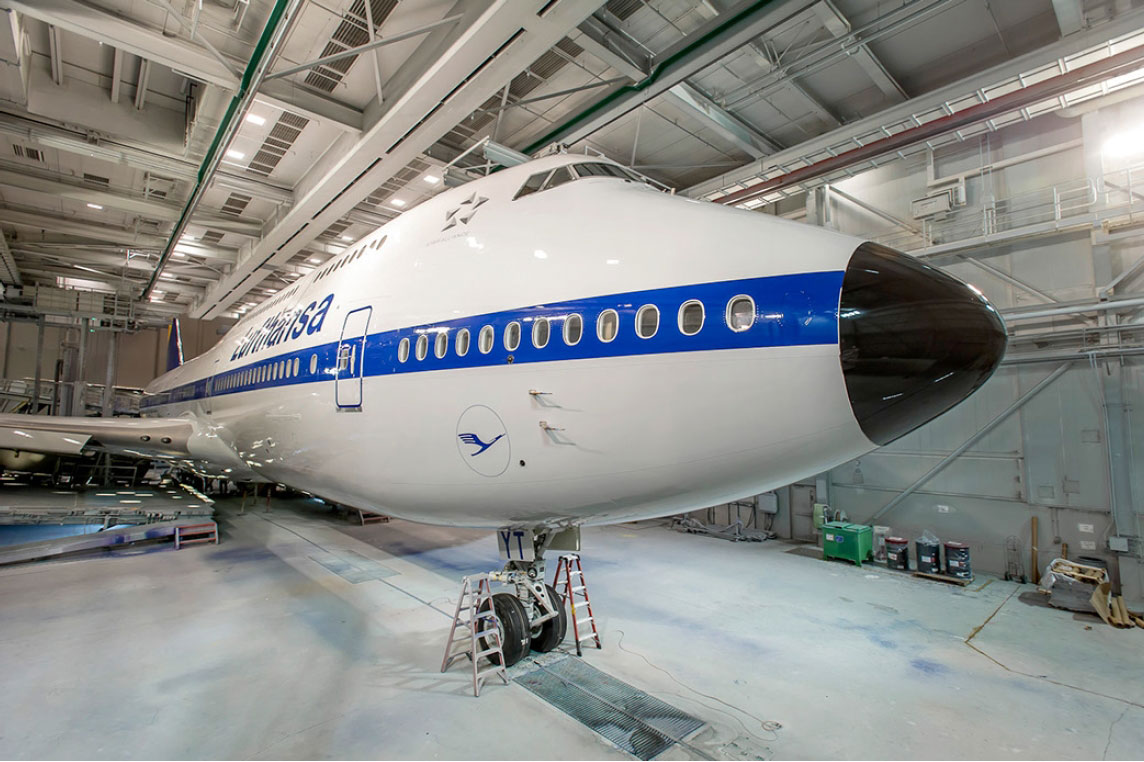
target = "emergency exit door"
x: 351, y: 359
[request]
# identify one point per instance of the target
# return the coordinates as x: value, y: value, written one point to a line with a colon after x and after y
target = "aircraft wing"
x: 153, y: 437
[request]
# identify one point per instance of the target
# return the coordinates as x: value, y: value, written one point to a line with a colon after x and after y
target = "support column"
x: 1095, y: 128
x: 109, y: 377
x: 35, y: 406
x: 78, y: 405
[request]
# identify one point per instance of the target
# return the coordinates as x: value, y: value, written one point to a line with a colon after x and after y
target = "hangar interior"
x: 195, y: 158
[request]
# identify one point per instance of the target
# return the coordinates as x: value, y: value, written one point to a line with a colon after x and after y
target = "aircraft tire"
x: 513, y: 626
x: 553, y: 631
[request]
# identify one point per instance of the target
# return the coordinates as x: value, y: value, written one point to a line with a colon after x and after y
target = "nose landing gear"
x: 536, y: 607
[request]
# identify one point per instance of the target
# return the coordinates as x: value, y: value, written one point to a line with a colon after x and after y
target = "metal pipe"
x: 1114, y: 65
x: 997, y: 421
x: 875, y: 210
x: 363, y: 48
x: 278, y: 25
x: 1127, y: 274
x: 1072, y: 309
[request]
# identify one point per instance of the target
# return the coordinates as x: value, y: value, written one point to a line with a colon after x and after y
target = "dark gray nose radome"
x: 913, y: 341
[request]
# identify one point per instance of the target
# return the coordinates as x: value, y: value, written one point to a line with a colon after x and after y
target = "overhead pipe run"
x: 1115, y: 65
x: 278, y: 25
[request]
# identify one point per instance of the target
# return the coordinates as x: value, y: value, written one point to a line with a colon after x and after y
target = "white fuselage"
x: 596, y: 432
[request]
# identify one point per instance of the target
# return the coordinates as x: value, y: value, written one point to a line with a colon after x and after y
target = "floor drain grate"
x: 638, y: 723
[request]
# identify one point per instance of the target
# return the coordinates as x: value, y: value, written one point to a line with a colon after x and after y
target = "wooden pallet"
x: 944, y: 578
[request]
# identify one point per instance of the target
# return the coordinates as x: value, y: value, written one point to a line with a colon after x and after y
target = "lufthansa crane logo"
x: 473, y: 439
x: 480, y: 432
x: 463, y: 212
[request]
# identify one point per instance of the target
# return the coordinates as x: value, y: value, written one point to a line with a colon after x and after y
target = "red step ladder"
x: 192, y: 534
x: 575, y: 585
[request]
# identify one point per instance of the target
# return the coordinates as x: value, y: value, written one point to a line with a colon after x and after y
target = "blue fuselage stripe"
x: 790, y: 310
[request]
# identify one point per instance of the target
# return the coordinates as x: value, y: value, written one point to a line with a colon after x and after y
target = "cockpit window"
x: 543, y: 181
x: 559, y: 176
x: 532, y: 185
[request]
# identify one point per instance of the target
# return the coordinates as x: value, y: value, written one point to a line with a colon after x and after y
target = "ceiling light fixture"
x: 397, y: 202
x: 256, y: 120
x: 347, y: 238
x: 432, y: 179
x: 233, y: 154
x: 315, y: 261
x: 94, y: 206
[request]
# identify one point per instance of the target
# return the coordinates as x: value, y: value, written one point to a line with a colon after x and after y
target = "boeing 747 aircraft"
x: 556, y: 345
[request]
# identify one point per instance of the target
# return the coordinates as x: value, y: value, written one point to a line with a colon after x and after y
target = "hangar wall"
x: 1060, y: 454
x: 140, y: 356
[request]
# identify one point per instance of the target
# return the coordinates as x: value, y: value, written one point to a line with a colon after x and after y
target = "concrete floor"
x: 255, y: 649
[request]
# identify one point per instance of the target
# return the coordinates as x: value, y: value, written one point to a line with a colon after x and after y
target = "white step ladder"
x: 476, y: 619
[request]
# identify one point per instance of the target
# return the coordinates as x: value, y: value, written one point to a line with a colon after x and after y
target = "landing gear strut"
x: 545, y: 621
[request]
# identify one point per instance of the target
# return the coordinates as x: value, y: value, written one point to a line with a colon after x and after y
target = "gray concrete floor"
x: 253, y: 649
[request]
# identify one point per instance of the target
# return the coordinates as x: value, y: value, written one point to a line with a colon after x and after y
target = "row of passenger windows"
x: 263, y: 373
x: 740, y: 316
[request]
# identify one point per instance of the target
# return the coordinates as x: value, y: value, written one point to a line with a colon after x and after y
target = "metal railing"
x: 1114, y: 199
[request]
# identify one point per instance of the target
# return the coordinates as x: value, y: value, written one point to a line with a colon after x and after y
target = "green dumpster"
x: 853, y: 542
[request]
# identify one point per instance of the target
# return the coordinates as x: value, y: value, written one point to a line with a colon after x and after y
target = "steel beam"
x: 703, y: 47
x: 9, y: 272
x: 839, y: 26
x: 1004, y: 276
x: 423, y: 104
x: 141, y: 83
x: 957, y: 453
x: 286, y: 96
x: 1070, y: 15
x: 1125, y: 24
x: 88, y: 21
x: 350, y: 52
x: 730, y: 127
x: 116, y: 74
x: 40, y: 221
x: 56, y: 54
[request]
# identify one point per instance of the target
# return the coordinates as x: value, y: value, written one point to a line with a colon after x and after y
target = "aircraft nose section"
x: 914, y: 341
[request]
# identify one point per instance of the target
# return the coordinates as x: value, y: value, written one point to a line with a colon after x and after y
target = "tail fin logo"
x: 174, y: 346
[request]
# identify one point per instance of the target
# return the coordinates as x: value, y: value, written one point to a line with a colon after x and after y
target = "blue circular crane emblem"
x: 482, y: 441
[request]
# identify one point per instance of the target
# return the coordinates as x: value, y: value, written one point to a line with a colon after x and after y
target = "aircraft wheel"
x: 553, y: 631
x: 513, y: 629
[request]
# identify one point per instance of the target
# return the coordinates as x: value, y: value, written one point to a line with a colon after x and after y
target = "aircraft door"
x: 351, y: 359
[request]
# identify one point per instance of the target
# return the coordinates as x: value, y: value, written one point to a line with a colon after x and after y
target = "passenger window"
x: 741, y: 313
x: 297, y: 362
x: 281, y: 369
x: 607, y: 325
x: 691, y: 317
x: 486, y: 339
x: 559, y: 176
x: 531, y: 185
x: 573, y: 329
x: 647, y: 321
x: 540, y: 330
x: 512, y: 336
x: 422, y: 346
x: 462, y: 343
x: 441, y: 345
x: 402, y: 351
x: 314, y: 359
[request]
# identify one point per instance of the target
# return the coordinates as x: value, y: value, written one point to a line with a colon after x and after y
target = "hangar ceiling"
x: 195, y: 156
